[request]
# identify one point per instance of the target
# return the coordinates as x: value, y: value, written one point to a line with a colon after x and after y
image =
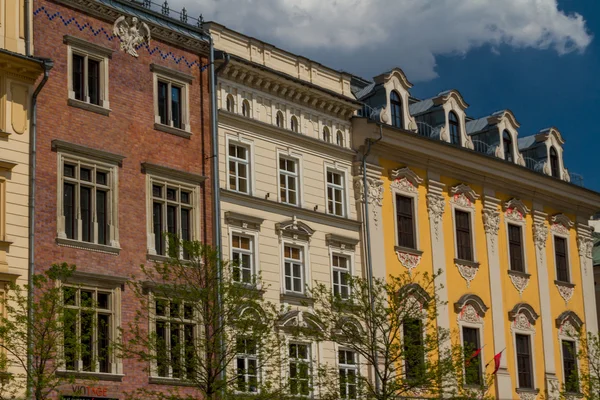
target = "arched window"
x: 326, y: 134
x: 230, y: 103
x: 554, y: 163
x: 294, y: 123
x: 454, y: 128
x: 245, y: 108
x: 339, y: 138
x: 396, y: 106
x: 279, y: 119
x: 508, y: 149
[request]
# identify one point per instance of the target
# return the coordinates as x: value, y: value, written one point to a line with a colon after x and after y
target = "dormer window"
x: 507, y: 142
x: 396, y: 106
x: 326, y: 134
x: 454, y: 128
x: 245, y: 108
x: 554, y: 163
x: 294, y: 124
x: 279, y: 119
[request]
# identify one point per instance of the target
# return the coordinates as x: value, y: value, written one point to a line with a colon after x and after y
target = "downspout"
x: 27, y: 23
x: 369, y: 142
x: 47, y: 65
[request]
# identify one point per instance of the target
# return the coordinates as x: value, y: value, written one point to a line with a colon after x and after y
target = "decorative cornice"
x: 561, y: 224
x: 342, y: 242
x: 405, y: 180
x: 463, y: 195
x: 171, y: 73
x: 243, y: 221
x: 294, y: 229
x: 88, y: 46
x: 61, y: 145
x: 7, y: 165
x: 472, y: 300
x: 173, y: 173
x: 515, y: 210
x: 569, y: 317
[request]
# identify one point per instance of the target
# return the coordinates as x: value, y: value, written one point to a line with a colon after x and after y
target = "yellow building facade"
x: 496, y: 214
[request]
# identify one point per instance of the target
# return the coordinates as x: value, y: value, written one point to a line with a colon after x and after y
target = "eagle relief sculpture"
x: 132, y: 34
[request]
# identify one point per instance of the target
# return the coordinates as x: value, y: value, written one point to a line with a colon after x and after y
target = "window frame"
x: 521, y: 227
x: 344, y: 192
x: 294, y: 124
x: 414, y: 303
x: 279, y: 119
x: 554, y: 162
x: 508, y: 138
x: 246, y: 108
x: 340, y: 138
x: 326, y: 134
x: 251, y: 252
x: 230, y: 103
x: 249, y: 145
x: 299, y: 192
x: 568, y: 266
x: 396, y: 109
x: 479, y: 356
x: 348, y: 367
x: 454, y: 123
x: 520, y: 326
x: 471, y: 215
x: 304, y: 278
x: 246, y: 357
x: 469, y: 317
x: 574, y: 341
x: 180, y: 80
x: 339, y: 253
x: 307, y: 360
x: 530, y: 355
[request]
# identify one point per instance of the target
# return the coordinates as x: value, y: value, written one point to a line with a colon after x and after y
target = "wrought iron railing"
x: 426, y: 130
x: 485, y: 148
x: 165, y: 10
x: 533, y: 164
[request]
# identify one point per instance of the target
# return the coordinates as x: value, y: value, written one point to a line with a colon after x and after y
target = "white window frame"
x: 308, y: 360
x: 279, y: 119
x: 230, y: 101
x: 406, y: 183
x: 251, y: 253
x: 568, y: 333
x: 477, y: 323
x: 349, y: 367
x: 530, y: 331
x: 340, y: 134
x: 172, y: 78
x: 463, y: 199
x: 298, y: 160
x: 237, y: 162
x: 240, y: 140
x: 334, y: 187
x: 69, y: 154
x: 296, y: 123
x: 247, y: 357
x: 423, y: 317
x: 89, y: 51
x: 303, y: 268
x: 340, y: 271
x: 566, y: 236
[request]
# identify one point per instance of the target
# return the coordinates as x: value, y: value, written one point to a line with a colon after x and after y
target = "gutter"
x: 47, y: 65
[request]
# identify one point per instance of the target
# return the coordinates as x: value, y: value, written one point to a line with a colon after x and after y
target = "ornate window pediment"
x: 561, y: 224
x: 299, y: 319
x: 523, y: 316
x: 515, y: 210
x: 243, y: 221
x: 405, y: 180
x: 416, y: 292
x: 449, y: 95
x: 567, y: 322
x: 463, y: 195
x: 294, y: 229
x: 470, y: 301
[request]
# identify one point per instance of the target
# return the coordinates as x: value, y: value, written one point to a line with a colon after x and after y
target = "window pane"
x: 78, y: 77
x: 472, y: 364
x: 158, y: 228
x: 163, y: 106
x: 86, y: 213
x: 524, y: 361
x: 515, y: 248
x: 176, y: 106
x: 103, y: 343
x: 87, y: 339
x: 69, y: 209
x: 101, y: 216
x: 571, y: 375
x: 94, y: 81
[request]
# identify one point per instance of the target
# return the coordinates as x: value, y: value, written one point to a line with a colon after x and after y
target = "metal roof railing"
x: 535, y: 165
x: 165, y: 10
x: 485, y: 148
x: 426, y: 130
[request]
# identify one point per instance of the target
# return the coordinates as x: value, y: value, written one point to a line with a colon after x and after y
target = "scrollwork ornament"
x: 491, y: 223
x: 409, y: 261
x: 520, y: 282
x: 403, y: 185
x: 132, y: 34
x: 585, y: 245
x: 436, y: 205
x: 527, y: 395
x: 540, y: 234
x: 467, y: 272
x: 469, y: 314
x: 522, y: 323
x: 374, y: 195
x: 566, y: 292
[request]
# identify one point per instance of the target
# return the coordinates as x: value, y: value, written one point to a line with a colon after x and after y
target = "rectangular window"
x: 472, y: 362
x: 464, y: 244
x: 247, y: 365
x: 524, y: 366
x: 294, y: 269
x: 172, y: 210
x: 414, y: 352
x: 86, y: 197
x: 335, y: 193
x: 86, y: 79
x: 175, y: 328
x: 571, y: 375
x: 242, y: 258
x: 288, y: 181
x: 404, y: 222
x: 341, y: 275
x: 88, y: 325
x: 348, y: 370
x: 299, y: 357
x: 238, y: 168
x: 561, y: 254
x: 515, y: 248
x: 170, y: 103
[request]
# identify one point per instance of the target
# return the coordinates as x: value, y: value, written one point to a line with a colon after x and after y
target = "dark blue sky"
x: 542, y: 89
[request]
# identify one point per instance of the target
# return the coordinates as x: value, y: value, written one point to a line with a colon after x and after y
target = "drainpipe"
x: 27, y: 23
x: 47, y: 65
x: 370, y: 142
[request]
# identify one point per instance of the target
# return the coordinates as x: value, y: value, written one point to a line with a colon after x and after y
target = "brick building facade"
x: 123, y: 153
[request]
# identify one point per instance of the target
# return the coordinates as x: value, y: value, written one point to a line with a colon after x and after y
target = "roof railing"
x: 426, y: 130
x: 535, y: 165
x: 165, y: 10
x: 485, y: 148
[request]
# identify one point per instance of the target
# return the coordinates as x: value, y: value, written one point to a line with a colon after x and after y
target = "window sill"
x: 88, y: 107
x: 172, y: 131
x: 527, y: 390
x: 296, y: 299
x: 100, y: 248
x: 519, y: 274
x: 4, y: 134
x: 91, y: 375
x: 408, y: 250
x: 566, y: 284
x: 468, y: 263
x: 157, y: 380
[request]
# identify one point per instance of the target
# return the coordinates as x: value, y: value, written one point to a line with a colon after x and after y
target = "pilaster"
x: 585, y: 245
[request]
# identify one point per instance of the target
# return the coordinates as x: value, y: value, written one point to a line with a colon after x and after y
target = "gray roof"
x: 476, y: 125
x: 365, y: 91
x: 421, y: 106
x: 526, y: 142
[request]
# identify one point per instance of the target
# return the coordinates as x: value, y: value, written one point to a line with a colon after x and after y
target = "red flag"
x: 497, y: 358
x: 475, y: 354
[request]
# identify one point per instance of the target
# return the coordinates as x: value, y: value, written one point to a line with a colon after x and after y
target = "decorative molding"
x: 472, y: 300
x: 566, y: 290
x: 172, y: 73
x: 469, y: 314
x: 540, y: 234
x: 341, y: 242
x: 522, y: 323
x: 436, y: 204
x: 463, y: 195
x: 519, y: 280
x: 523, y: 310
x: 491, y: 221
x: 561, y: 224
x: 515, y: 210
x: 61, y: 145
x: 294, y: 229
x: 374, y: 194
x: 172, y: 173
x: 133, y: 34
x: 86, y: 46
x: 527, y: 394
x: 467, y: 270
x: 405, y: 180
x: 403, y: 185
x: 409, y: 258
x: 243, y: 221
x: 569, y: 317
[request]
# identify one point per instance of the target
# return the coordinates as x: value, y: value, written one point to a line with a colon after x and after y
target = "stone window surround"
x: 182, y: 179
x: 181, y: 80
x: 531, y: 332
x: 415, y: 296
x: 305, y: 270
x: 405, y: 182
x: 70, y: 152
x: 570, y: 321
x: 344, y: 247
x: 565, y: 235
x: 254, y: 247
x: 456, y: 193
x: 312, y: 351
x: 345, y: 172
x: 241, y: 140
x: 296, y: 156
x: 479, y: 325
x: 96, y: 52
x: 5, y: 168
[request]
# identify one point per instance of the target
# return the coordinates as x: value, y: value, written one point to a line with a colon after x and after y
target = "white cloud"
x: 406, y: 33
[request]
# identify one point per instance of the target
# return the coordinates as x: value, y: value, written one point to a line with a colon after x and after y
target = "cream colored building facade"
x: 287, y: 198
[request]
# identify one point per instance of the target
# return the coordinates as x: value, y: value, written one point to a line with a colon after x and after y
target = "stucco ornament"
x: 520, y: 282
x: 132, y: 34
x: 469, y: 314
x: 522, y: 323
x: 436, y: 205
x: 567, y: 329
x: 444, y: 134
x: 540, y: 234
x: 566, y: 292
x: 408, y: 260
x: 585, y: 244
x: 521, y: 160
x: 468, y: 272
x: 403, y: 185
x: 527, y: 395
x: 491, y: 223
x: 374, y: 195
x: 463, y: 196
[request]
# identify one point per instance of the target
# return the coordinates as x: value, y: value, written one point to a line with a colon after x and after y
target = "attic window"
x: 508, y: 150
x: 554, y: 163
x: 454, y: 128
x: 326, y: 134
x: 279, y: 119
x: 396, y: 106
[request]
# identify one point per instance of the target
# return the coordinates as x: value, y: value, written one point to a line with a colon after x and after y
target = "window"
x: 247, y: 365
x: 299, y: 369
x: 554, y: 163
x: 288, y: 180
x: 294, y: 269
x: 339, y: 138
x: 472, y: 362
x: 348, y: 369
x: 230, y: 103
x: 414, y: 352
x: 396, y: 106
x: 242, y: 257
x: 524, y: 364
x: 87, y: 190
x: 170, y: 104
x: 326, y: 134
x: 561, y: 254
x: 86, y: 79
x: 294, y: 124
x: 508, y: 149
x: 341, y: 275
x: 175, y: 329
x: 171, y: 99
x: 279, y: 119
x: 172, y: 213
x: 464, y: 244
x: 454, y: 128
x: 515, y: 248
x: 404, y: 222
x: 571, y: 374
x: 246, y: 108
x: 335, y: 193
x: 88, y: 329
x: 238, y: 168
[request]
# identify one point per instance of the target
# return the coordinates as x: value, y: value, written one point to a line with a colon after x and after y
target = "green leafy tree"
x: 585, y: 378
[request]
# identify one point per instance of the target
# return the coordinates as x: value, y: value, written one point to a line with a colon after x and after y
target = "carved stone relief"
x: 132, y: 34
x: 374, y: 195
x: 408, y: 260
x: 469, y: 314
x: 491, y: 224
x: 540, y: 234
x: 436, y: 205
x: 520, y: 282
x: 468, y: 272
x: 566, y: 292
